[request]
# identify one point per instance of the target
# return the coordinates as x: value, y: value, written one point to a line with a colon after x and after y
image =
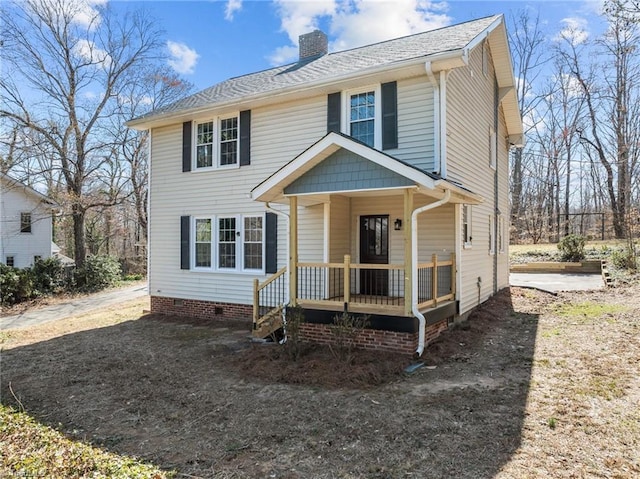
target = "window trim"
x: 194, y: 242
x: 217, y: 142
x: 239, y: 243
x: 345, y: 119
x: 467, y: 239
x: 501, y: 232
x: 492, y: 238
x: 26, y: 229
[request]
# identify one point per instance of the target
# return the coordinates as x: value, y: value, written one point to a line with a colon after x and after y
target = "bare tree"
x: 527, y: 44
x: 75, y: 60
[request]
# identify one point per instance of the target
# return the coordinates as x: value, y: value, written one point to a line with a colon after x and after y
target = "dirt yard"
x: 533, y: 386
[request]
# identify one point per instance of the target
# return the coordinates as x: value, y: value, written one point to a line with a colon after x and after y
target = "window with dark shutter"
x: 245, y: 138
x: 185, y: 256
x: 186, y: 146
x: 389, y: 105
x: 271, y: 243
x: 333, y: 112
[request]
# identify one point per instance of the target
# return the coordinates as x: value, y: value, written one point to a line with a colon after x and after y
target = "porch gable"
x: 345, y: 170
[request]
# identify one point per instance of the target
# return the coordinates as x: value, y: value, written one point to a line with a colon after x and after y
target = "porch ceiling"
x: 337, y: 164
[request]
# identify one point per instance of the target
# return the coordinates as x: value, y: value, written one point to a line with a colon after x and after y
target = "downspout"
x: 286, y: 294
x: 414, y: 267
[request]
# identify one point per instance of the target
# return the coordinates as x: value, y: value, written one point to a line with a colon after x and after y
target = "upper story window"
x: 25, y: 222
x: 216, y: 143
x: 362, y: 116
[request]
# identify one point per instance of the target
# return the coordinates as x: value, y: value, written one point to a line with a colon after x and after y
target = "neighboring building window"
x: 252, y: 242
x: 202, y: 243
x: 217, y: 143
x: 204, y: 145
x: 500, y: 233
x: 10, y: 261
x: 493, y: 157
x: 492, y: 243
x: 25, y: 222
x: 229, y: 141
x: 36, y: 258
x: 467, y: 237
x: 227, y: 243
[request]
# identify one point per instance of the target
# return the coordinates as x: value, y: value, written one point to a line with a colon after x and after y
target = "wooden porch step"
x: 268, y: 324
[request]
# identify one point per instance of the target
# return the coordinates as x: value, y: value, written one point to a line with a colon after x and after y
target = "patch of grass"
x: 30, y: 449
x: 552, y: 422
x: 550, y: 333
x: 588, y: 310
x: 605, y: 387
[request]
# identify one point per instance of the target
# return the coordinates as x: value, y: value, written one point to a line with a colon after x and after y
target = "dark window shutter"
x: 389, y: 115
x: 245, y: 137
x: 186, y: 146
x: 271, y: 243
x: 333, y: 112
x: 185, y: 229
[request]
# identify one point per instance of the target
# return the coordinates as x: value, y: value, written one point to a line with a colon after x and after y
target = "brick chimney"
x: 313, y: 44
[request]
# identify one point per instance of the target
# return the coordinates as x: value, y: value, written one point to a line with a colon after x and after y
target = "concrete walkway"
x: 74, y: 307
x: 556, y: 282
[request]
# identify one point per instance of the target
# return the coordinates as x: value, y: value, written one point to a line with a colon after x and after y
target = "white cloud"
x: 82, y: 12
x: 232, y: 7
x: 574, y: 30
x: 353, y: 23
x: 183, y: 59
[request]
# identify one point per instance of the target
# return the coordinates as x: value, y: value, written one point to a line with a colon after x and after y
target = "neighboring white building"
x: 25, y: 224
x: 373, y: 180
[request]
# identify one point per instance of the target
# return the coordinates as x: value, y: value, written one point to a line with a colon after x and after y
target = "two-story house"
x: 372, y: 180
x: 25, y: 224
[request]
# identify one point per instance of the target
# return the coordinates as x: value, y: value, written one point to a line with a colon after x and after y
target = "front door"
x: 374, y: 249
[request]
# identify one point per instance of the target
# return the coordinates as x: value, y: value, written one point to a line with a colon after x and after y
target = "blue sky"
x: 211, y: 41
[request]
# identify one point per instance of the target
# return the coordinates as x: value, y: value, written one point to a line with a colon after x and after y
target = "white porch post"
x: 408, y: 252
x: 293, y: 249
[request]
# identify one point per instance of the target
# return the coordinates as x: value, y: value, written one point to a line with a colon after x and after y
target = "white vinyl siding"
x: 469, y: 157
x: 278, y: 134
x: 415, y: 123
x: 15, y: 202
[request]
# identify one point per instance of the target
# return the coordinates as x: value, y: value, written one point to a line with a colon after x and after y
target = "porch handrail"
x: 257, y: 303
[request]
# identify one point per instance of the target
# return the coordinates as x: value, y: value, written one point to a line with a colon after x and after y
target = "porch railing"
x: 373, y: 286
x: 436, y: 282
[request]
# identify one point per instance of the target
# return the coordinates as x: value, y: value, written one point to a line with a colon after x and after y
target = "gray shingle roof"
x: 332, y: 65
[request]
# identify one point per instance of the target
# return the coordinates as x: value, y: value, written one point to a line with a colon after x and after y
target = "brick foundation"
x: 374, y: 339
x: 200, y: 309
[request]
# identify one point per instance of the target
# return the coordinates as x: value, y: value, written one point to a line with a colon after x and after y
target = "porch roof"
x: 338, y: 164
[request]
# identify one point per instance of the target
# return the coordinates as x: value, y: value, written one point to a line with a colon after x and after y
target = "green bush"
x: 9, y: 281
x: 624, y: 259
x: 49, y: 276
x: 572, y: 248
x: 98, y: 272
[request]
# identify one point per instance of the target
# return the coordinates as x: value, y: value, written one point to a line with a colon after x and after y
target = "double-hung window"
x: 216, y: 143
x: 25, y: 222
x: 362, y: 116
x: 202, y: 243
x: 229, y: 243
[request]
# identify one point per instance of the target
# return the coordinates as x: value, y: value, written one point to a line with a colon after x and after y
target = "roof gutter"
x: 414, y: 268
x: 447, y: 58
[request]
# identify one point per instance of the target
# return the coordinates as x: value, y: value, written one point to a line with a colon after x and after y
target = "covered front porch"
x: 355, y: 242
